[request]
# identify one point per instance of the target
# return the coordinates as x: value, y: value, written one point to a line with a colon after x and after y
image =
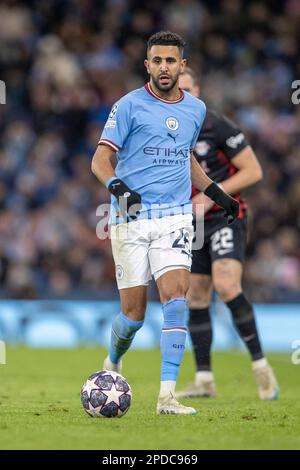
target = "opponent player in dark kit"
x: 228, y: 159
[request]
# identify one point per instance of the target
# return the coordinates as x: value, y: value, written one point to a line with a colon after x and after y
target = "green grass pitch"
x: 40, y: 405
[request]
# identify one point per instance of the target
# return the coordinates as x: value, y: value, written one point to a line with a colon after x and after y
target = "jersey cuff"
x: 110, y: 180
x: 109, y: 144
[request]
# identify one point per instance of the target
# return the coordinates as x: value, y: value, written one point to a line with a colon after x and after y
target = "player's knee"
x: 199, y: 293
x: 198, y: 298
x: 176, y: 291
x: 134, y: 310
x: 227, y: 289
x: 135, y: 314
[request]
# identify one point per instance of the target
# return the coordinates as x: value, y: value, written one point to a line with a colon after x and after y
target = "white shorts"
x: 151, y: 247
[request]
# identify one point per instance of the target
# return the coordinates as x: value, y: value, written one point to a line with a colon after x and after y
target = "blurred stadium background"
x: 64, y: 63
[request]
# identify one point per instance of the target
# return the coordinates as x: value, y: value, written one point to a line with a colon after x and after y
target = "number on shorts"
x: 222, y: 241
x: 183, y: 242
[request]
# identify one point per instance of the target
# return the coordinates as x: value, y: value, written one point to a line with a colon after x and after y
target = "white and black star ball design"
x: 172, y: 123
x: 106, y: 394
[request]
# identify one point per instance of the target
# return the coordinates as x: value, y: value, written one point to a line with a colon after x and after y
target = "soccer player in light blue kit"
x: 152, y: 132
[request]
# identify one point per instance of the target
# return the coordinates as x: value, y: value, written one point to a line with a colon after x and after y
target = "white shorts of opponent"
x: 151, y: 247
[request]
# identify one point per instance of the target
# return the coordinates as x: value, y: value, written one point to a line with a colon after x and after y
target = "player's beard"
x: 165, y: 88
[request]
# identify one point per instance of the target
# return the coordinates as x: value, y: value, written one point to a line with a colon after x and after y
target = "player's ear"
x: 146, y: 64
x: 182, y: 65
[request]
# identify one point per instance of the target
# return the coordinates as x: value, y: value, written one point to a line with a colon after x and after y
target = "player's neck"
x: 172, y: 95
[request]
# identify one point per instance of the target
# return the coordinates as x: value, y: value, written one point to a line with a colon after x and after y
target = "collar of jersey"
x: 152, y: 93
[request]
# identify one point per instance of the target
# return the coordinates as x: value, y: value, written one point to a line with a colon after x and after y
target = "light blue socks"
x: 172, y: 343
x: 173, y: 338
x: 122, y: 334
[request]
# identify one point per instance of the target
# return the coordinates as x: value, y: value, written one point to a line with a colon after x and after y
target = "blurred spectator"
x: 65, y: 63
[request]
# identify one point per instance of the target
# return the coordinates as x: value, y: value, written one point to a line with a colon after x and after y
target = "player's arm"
x: 114, y: 135
x: 249, y: 172
x: 103, y: 165
x: 199, y: 178
x: 232, y: 142
x: 203, y: 183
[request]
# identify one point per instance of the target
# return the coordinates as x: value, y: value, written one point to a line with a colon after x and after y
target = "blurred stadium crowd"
x: 65, y: 62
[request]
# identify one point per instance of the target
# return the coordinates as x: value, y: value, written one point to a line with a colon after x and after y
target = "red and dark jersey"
x: 219, y: 141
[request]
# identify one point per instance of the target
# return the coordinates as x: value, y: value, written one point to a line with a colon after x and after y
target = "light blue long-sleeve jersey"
x: 153, y: 139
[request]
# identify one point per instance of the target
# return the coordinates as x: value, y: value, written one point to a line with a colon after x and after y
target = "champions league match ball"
x: 106, y: 394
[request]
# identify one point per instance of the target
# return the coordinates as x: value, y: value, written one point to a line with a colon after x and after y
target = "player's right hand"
x: 129, y: 201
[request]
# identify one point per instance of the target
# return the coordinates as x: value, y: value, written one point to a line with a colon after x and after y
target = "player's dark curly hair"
x: 166, y: 38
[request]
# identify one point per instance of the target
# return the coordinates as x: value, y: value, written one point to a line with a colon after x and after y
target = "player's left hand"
x: 232, y: 211
x: 230, y: 205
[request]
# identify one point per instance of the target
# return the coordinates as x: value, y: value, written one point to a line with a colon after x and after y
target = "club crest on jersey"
x: 113, y: 111
x: 172, y: 123
x: 201, y: 148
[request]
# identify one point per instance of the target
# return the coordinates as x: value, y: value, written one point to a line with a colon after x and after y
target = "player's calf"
x: 122, y: 334
x: 244, y: 321
x: 172, y: 344
x: 172, y: 349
